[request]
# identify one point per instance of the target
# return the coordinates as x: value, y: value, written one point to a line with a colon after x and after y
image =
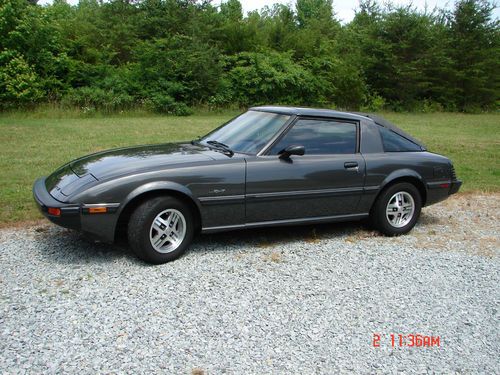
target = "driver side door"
x: 325, y: 182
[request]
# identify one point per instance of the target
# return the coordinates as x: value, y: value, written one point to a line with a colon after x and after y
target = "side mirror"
x: 292, y: 150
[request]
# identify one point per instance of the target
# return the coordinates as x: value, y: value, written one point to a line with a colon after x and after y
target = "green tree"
x: 313, y: 11
x: 270, y: 77
x: 171, y: 54
x: 475, y: 49
x: 179, y: 67
x: 31, y: 42
x: 19, y: 84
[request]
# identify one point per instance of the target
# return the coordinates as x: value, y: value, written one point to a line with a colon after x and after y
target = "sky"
x: 344, y: 9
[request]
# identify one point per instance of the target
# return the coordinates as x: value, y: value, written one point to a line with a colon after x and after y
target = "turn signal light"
x: 98, y: 210
x: 54, y: 211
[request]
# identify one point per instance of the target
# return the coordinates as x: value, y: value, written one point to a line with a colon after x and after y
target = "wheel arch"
x: 405, y: 175
x: 143, y: 193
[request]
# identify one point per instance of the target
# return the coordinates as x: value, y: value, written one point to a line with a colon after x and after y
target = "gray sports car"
x: 270, y: 166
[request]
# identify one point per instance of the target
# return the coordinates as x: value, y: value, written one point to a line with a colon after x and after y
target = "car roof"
x: 319, y: 112
x: 302, y: 111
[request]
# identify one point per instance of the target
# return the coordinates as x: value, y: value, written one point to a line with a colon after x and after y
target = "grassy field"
x: 34, y: 145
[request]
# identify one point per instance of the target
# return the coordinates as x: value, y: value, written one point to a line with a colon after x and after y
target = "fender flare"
x: 159, y: 186
x: 402, y: 173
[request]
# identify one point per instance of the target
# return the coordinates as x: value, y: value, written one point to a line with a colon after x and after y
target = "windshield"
x: 249, y: 132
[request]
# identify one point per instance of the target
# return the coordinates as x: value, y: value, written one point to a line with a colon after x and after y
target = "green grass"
x: 33, y: 145
x: 472, y: 142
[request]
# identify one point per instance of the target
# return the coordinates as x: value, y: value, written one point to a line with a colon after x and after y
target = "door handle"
x: 351, y: 166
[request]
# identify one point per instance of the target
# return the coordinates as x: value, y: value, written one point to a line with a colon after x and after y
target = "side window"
x: 320, y: 137
x: 395, y: 143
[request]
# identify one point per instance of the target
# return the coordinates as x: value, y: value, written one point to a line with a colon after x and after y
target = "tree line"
x: 172, y: 55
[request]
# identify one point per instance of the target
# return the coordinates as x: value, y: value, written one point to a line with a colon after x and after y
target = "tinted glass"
x: 249, y: 132
x: 320, y: 137
x: 395, y: 143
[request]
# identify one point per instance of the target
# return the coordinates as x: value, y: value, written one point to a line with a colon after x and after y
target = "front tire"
x: 160, y: 229
x: 397, y: 209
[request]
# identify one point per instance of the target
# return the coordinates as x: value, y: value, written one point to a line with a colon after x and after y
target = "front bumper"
x: 78, y: 216
x: 70, y: 213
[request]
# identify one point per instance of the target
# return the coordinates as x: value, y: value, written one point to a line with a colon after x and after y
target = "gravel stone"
x: 296, y: 300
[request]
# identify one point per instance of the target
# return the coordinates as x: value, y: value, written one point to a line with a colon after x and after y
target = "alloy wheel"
x: 167, y: 230
x: 400, y: 209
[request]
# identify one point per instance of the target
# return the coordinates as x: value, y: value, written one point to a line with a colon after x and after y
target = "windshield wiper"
x: 221, y: 146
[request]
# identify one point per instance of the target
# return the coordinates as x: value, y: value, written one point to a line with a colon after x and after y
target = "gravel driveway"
x: 297, y: 300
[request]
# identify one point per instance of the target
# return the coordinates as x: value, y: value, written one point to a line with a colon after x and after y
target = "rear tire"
x: 397, y: 209
x: 160, y: 229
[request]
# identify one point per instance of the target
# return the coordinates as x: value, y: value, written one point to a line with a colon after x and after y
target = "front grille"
x: 453, y: 174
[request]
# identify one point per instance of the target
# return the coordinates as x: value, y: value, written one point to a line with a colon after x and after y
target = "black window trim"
x: 265, y: 151
x: 284, y: 129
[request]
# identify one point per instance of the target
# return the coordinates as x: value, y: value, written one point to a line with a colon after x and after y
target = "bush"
x: 19, y: 84
x: 375, y: 103
x: 223, y: 96
x: 336, y: 80
x: 99, y: 99
x: 272, y: 77
x: 429, y: 106
x: 179, y: 67
x: 162, y: 103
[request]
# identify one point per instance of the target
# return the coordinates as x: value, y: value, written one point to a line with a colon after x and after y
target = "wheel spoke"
x: 399, y: 199
x: 164, y: 241
x: 175, y: 221
x: 167, y: 231
x: 174, y: 236
x: 391, y: 209
x: 159, y: 225
x: 157, y: 240
x: 169, y: 219
x: 400, y: 209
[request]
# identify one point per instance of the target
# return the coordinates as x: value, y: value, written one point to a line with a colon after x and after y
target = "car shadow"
x: 66, y: 246
x: 268, y: 237
x: 428, y: 219
x: 72, y: 247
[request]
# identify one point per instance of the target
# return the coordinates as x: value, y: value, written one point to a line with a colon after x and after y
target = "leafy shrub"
x: 172, y: 54
x: 163, y: 103
x: 19, y: 84
x: 223, y: 96
x: 272, y: 77
x: 178, y: 66
x: 94, y: 97
x: 336, y: 81
x: 429, y: 106
x: 375, y: 103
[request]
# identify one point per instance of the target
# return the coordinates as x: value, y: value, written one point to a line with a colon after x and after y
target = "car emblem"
x: 218, y: 191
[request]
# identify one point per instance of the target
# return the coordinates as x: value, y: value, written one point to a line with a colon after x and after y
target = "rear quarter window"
x: 394, y: 142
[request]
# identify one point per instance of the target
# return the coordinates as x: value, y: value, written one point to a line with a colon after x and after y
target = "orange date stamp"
x: 406, y: 340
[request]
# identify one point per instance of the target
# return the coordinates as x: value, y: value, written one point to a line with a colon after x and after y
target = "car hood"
x: 123, y: 161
